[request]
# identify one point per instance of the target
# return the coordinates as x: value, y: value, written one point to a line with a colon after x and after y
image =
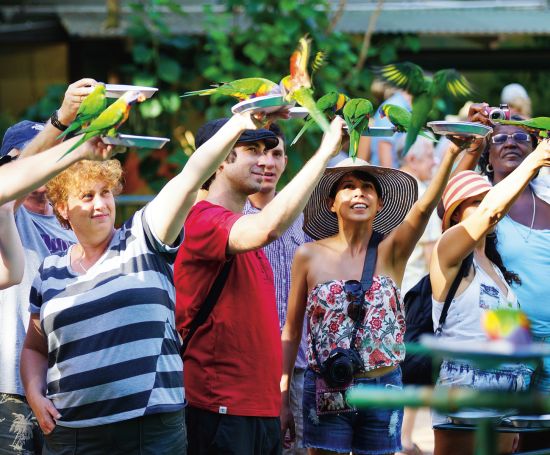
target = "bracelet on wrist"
x: 56, y: 123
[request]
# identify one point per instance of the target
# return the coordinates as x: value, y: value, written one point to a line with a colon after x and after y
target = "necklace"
x: 80, y: 261
x: 526, y: 237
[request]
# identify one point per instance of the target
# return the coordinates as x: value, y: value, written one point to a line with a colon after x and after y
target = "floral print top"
x: 379, y: 338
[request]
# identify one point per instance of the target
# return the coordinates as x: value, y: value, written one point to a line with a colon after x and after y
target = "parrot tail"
x: 74, y: 126
x: 205, y: 92
x: 354, y: 137
x: 412, y: 134
x: 78, y: 144
x: 301, y: 132
x: 428, y: 135
x: 304, y: 98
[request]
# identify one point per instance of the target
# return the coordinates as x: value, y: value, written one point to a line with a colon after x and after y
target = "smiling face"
x: 355, y: 198
x: 246, y: 171
x: 274, y: 163
x: 506, y: 156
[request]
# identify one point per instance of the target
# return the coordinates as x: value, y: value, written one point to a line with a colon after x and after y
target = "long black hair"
x: 494, y: 256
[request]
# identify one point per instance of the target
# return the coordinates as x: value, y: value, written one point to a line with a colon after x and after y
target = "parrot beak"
x: 134, y: 97
x: 383, y: 113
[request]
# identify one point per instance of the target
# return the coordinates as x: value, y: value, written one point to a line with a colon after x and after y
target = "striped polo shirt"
x: 113, y: 350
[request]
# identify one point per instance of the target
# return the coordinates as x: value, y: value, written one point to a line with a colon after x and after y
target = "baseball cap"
x: 19, y: 135
x: 206, y: 131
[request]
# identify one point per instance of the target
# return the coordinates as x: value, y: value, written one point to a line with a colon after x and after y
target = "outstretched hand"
x: 332, y: 140
x: 542, y: 153
x: 96, y: 150
x: 257, y: 120
x: 478, y: 113
x: 468, y: 144
x: 74, y: 95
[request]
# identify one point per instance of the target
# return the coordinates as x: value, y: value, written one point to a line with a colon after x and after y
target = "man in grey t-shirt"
x: 41, y: 235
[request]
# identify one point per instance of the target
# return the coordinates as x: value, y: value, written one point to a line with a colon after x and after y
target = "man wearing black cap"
x: 232, y: 365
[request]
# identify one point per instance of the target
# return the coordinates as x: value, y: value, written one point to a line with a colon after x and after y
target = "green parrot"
x: 357, y: 112
x: 537, y: 125
x: 110, y: 119
x: 329, y: 104
x: 89, y: 109
x: 401, y: 119
x: 297, y: 85
x: 424, y: 90
x: 242, y: 89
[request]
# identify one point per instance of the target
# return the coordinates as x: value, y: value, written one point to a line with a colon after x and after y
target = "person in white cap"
x: 517, y: 99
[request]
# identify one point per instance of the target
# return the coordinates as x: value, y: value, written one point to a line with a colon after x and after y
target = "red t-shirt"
x: 233, y: 363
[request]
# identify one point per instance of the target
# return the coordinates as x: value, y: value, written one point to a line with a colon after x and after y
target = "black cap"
x: 206, y: 131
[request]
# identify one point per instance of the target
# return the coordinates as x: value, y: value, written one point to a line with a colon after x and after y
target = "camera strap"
x: 366, y: 282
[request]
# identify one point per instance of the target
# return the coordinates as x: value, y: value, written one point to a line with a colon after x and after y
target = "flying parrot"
x: 424, y: 90
x: 93, y: 105
x: 507, y: 324
x: 297, y: 85
x: 110, y: 119
x: 242, y: 89
x: 329, y: 104
x: 538, y: 125
x: 357, y: 112
x: 401, y: 119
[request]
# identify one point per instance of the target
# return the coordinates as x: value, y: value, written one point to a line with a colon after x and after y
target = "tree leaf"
x: 171, y: 102
x: 150, y: 108
x: 142, y: 54
x: 168, y: 70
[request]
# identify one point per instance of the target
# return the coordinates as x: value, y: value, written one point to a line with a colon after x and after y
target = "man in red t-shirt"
x: 232, y: 365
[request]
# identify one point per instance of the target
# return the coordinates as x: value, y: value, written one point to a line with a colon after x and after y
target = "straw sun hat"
x: 399, y: 192
x: 462, y: 186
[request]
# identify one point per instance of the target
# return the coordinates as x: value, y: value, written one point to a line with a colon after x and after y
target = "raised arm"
x: 171, y: 206
x: 19, y: 177
x: 12, y: 260
x: 251, y: 232
x: 47, y: 138
x: 404, y: 238
x: 459, y: 240
x: 292, y: 330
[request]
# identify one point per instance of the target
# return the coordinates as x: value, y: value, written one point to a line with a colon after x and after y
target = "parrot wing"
x: 304, y: 97
x: 325, y: 104
x: 406, y: 75
x: 451, y: 82
x: 89, y: 109
x: 399, y: 116
x: 537, y: 123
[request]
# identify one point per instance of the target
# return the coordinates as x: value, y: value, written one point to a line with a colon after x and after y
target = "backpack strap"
x: 208, y: 304
x: 462, y: 272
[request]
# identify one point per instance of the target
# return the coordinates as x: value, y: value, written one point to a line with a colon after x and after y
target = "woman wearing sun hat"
x: 472, y: 209
x: 353, y: 203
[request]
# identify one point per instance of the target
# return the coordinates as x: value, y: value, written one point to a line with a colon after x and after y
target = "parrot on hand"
x: 89, y: 109
x: 507, y: 324
x: 401, y: 119
x: 297, y: 85
x: 357, y: 112
x: 537, y: 125
x: 329, y: 104
x: 110, y: 119
x: 242, y: 89
x: 424, y: 90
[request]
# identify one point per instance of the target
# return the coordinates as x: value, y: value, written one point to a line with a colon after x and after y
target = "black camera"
x: 499, y: 113
x: 340, y: 366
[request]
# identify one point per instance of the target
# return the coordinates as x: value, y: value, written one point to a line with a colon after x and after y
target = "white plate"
x: 298, y: 112
x: 460, y: 128
x: 379, y: 131
x: 117, y: 90
x: 129, y: 140
x: 267, y: 104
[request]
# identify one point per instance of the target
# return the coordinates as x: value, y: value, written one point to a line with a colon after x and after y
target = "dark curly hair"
x: 492, y: 253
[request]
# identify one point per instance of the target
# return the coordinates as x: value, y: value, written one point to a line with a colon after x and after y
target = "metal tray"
x: 379, y: 131
x: 528, y: 421
x: 128, y: 140
x: 117, y: 90
x: 460, y: 128
x: 298, y: 112
x: 473, y: 417
x: 266, y: 104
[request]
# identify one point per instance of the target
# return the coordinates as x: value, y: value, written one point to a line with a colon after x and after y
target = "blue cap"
x: 19, y: 135
x: 206, y: 131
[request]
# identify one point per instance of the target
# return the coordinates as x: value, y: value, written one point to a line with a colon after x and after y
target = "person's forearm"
x: 290, y: 344
x: 33, y: 368
x: 171, y: 206
x: 44, y: 140
x: 12, y: 259
x: 24, y: 175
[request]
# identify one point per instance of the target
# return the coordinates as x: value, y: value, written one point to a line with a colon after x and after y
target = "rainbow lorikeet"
x: 242, y: 89
x: 357, y: 112
x: 424, y: 90
x: 538, y: 125
x: 110, y: 119
x: 401, y: 119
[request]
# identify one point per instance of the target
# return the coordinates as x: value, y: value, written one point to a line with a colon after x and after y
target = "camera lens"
x: 497, y: 114
x: 341, y: 371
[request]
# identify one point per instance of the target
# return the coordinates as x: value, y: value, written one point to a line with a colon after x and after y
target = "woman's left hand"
x: 96, y: 150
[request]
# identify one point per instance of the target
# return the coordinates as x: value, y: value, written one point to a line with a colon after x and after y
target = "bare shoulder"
x: 313, y: 250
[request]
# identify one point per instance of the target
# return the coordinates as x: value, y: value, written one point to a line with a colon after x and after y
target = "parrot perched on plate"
x: 329, y: 104
x: 357, y: 112
x: 242, y: 89
x: 110, y: 119
x: 93, y: 105
x: 297, y: 85
x: 424, y: 90
x: 401, y: 119
x: 507, y: 324
x: 538, y: 125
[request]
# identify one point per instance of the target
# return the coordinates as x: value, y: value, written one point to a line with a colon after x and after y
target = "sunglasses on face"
x: 356, y: 298
x: 517, y: 137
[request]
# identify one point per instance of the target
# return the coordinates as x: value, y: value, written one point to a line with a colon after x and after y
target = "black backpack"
x: 417, y: 369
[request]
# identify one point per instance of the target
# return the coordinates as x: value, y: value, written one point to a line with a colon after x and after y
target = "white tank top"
x: 464, y: 317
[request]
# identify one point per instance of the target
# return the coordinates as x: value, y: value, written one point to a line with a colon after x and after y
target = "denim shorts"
x: 541, y: 378
x: 455, y: 373
x: 365, y: 431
